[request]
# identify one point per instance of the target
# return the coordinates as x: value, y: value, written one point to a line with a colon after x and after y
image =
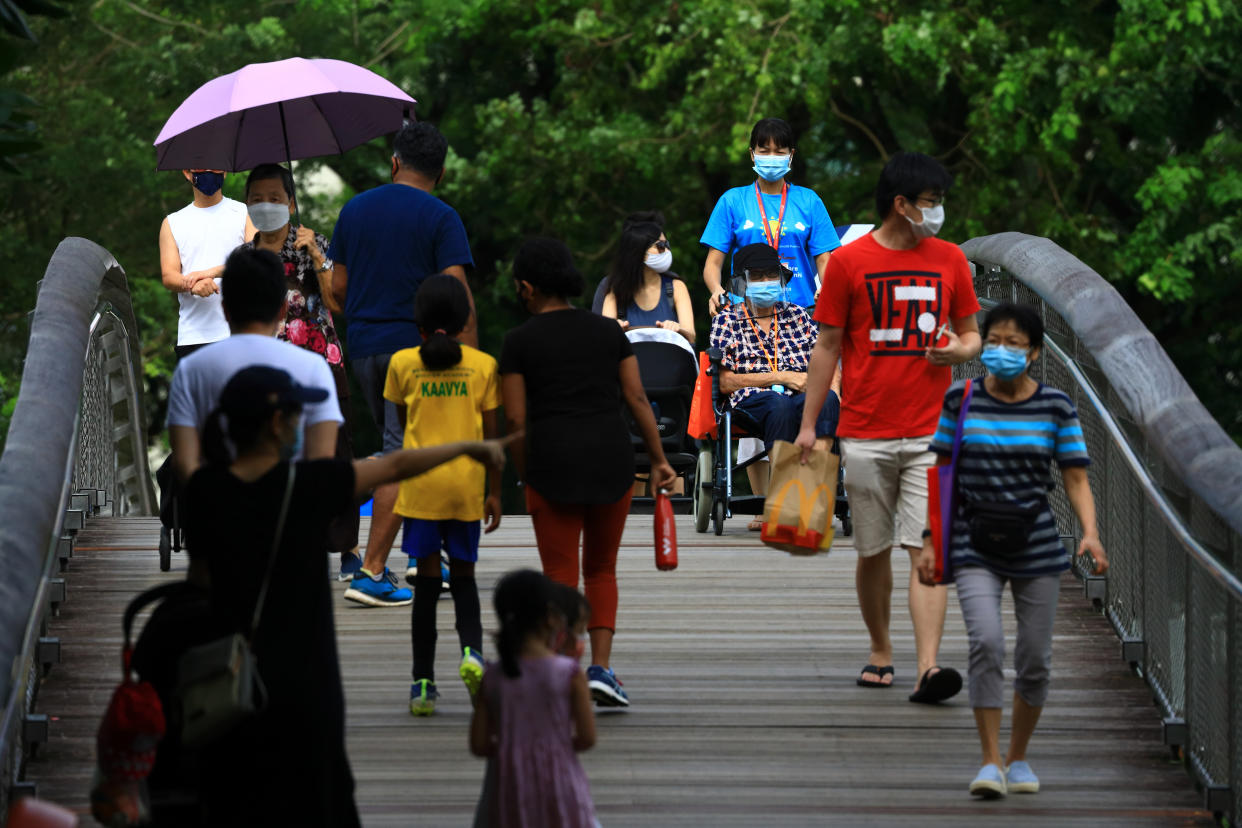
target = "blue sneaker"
x: 1019, y: 778
x: 350, y: 564
x: 471, y: 670
x: 423, y: 695
x: 990, y: 783
x: 382, y: 593
x: 606, y: 687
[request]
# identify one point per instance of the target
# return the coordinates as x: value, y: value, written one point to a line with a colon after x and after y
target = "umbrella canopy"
x: 280, y: 111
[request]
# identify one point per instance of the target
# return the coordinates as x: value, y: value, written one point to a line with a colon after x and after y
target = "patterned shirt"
x: 1006, y: 455
x: 747, y: 350
x: 308, y: 324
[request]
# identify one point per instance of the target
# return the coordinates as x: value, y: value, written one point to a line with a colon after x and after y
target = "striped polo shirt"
x: 1006, y: 455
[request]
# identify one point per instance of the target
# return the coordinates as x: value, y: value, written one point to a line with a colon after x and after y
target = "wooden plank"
x: 741, y: 667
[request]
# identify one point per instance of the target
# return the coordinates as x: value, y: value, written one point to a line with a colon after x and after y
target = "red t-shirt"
x: 890, y: 304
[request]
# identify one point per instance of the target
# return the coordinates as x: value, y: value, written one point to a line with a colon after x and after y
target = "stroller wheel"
x: 718, y: 517
x: 165, y: 549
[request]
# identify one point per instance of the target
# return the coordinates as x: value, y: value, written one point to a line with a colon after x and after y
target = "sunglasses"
x: 661, y: 245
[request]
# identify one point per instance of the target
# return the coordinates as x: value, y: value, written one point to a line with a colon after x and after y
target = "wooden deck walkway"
x: 741, y: 668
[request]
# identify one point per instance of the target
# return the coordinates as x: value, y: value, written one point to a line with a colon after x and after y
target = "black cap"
x: 758, y: 258
x: 259, y: 389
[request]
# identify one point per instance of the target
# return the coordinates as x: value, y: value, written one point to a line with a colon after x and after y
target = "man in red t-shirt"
x: 897, y: 307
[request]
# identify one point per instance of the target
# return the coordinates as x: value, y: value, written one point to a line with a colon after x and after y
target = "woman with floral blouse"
x: 308, y: 322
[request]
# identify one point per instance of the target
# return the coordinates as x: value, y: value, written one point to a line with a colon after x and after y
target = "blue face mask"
x: 772, y: 167
x: 292, y: 451
x: 765, y: 294
x: 208, y: 183
x: 1003, y: 362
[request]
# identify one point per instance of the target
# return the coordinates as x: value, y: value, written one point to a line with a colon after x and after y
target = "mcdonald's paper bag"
x: 797, y: 515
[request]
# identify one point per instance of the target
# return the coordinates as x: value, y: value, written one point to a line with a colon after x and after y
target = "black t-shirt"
x: 298, y: 742
x: 577, y: 442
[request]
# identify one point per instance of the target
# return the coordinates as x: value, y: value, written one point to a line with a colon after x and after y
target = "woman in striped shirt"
x: 1015, y: 428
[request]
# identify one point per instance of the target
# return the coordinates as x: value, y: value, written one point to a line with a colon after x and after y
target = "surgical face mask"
x: 772, y: 167
x: 933, y: 220
x: 660, y: 262
x: 268, y: 216
x: 1004, y: 362
x: 765, y: 294
x: 206, y: 182
x: 292, y: 451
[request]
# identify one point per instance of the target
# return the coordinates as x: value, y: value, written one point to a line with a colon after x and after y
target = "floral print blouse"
x: 308, y: 324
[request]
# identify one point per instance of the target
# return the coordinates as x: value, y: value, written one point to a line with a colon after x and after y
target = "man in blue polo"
x: 386, y: 242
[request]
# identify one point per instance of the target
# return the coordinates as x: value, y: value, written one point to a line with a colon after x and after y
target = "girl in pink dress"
x: 534, y: 714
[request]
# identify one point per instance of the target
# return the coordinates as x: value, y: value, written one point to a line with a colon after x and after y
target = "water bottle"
x: 665, y: 533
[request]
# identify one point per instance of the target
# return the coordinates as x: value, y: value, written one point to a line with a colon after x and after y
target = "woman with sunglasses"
x: 641, y: 291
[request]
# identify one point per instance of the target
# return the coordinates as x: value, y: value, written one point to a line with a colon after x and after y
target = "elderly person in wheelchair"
x: 765, y: 344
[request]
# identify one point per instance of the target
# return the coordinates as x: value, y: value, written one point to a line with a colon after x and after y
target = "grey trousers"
x: 1035, y: 606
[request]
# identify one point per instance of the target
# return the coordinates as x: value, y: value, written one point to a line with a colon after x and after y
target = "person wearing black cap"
x: 767, y: 341
x: 297, y: 743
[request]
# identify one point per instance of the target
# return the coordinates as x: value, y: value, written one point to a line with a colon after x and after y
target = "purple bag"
x: 942, y: 498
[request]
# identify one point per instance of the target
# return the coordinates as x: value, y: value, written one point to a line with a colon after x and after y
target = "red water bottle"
x: 665, y: 533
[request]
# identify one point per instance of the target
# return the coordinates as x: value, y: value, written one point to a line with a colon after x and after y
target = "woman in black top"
x: 564, y: 374
x: 294, y: 751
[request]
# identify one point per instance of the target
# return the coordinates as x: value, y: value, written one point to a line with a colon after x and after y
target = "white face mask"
x: 268, y: 216
x: 933, y: 220
x: 660, y: 262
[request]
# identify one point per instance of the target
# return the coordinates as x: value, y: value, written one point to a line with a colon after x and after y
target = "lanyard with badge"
x: 774, y: 357
x: 773, y: 239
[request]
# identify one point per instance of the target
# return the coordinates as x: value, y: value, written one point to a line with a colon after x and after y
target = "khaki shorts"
x: 886, y: 481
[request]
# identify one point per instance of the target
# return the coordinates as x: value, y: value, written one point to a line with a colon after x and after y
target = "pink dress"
x: 539, y: 780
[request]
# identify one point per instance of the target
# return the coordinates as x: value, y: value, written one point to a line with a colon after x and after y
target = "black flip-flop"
x: 936, y: 687
x: 879, y: 671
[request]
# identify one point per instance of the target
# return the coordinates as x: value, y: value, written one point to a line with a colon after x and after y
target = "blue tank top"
x: 663, y: 310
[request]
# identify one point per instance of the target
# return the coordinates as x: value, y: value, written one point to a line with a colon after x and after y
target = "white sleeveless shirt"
x: 205, y: 237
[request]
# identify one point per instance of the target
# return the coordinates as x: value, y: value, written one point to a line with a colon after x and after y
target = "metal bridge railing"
x: 1167, y: 482
x: 75, y: 448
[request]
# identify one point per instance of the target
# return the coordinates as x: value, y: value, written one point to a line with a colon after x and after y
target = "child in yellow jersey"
x: 445, y: 392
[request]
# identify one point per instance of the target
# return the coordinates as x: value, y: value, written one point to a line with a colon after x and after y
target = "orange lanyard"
x: 780, y: 218
x: 776, y: 338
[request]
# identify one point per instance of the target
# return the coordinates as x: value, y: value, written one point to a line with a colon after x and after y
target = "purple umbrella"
x: 280, y: 111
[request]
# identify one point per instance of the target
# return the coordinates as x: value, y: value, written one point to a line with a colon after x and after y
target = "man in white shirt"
x: 194, y: 242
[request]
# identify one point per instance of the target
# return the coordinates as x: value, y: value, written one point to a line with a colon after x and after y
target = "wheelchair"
x: 713, y: 499
x: 668, y: 368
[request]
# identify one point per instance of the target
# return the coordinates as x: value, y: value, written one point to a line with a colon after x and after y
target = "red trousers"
x: 559, y: 527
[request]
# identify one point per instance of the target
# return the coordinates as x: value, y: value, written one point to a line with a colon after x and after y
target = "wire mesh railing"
x: 1172, y: 593
x: 75, y: 448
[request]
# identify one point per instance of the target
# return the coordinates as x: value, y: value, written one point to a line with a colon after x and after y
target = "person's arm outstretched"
x: 399, y: 465
x: 662, y: 474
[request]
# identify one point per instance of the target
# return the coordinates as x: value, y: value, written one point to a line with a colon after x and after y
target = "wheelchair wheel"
x: 847, y: 526
x: 718, y: 517
x: 165, y: 549
x: 703, y: 491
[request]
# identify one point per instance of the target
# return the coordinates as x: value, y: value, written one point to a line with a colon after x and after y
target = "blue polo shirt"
x: 390, y: 239
x: 806, y: 232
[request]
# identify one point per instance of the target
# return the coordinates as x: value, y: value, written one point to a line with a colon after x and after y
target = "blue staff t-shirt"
x: 390, y: 239
x: 807, y: 232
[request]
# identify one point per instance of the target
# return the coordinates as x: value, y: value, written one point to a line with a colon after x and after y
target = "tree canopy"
x: 1110, y: 127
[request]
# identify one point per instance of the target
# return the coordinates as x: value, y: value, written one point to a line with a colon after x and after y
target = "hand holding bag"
x: 942, y: 497
x: 218, y: 682
x: 797, y: 514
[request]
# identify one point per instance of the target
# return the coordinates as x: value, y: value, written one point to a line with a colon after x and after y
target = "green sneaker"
x: 423, y: 695
x: 471, y: 670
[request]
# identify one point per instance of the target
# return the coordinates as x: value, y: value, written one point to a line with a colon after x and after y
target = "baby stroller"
x: 713, y: 489
x: 668, y: 367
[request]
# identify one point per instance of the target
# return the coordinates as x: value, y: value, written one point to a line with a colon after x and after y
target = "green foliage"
x: 1112, y: 128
